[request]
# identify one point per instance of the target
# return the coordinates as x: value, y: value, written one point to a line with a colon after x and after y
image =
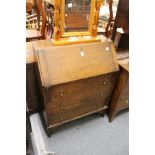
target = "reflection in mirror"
x: 77, y: 13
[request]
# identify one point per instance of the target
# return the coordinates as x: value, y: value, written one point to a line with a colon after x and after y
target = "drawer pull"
x: 104, y: 82
x: 61, y: 93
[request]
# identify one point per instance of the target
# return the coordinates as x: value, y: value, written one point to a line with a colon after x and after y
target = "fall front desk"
x: 70, y: 82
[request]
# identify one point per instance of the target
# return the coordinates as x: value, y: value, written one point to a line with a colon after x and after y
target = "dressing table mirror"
x: 76, y: 21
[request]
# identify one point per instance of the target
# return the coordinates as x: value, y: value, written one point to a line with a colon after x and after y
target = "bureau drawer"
x: 70, y: 100
x: 82, y: 103
x: 98, y: 94
x: 125, y: 90
x: 73, y: 88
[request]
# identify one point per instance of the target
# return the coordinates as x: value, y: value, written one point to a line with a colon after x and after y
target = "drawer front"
x: 123, y: 103
x: 80, y: 97
x: 74, y: 88
x: 125, y: 90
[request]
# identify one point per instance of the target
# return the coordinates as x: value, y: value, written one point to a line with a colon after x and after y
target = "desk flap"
x: 61, y: 64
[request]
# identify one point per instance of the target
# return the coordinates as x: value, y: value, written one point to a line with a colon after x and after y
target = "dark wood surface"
x: 32, y: 93
x: 122, y: 18
x: 74, y: 86
x: 73, y: 99
x: 32, y: 98
x: 121, y: 41
x: 120, y: 98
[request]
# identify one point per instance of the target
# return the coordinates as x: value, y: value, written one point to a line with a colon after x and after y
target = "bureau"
x: 120, y: 98
x: 75, y: 80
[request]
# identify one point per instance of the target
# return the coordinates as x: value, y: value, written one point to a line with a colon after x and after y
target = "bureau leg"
x: 111, y: 119
x: 51, y: 131
x: 111, y: 116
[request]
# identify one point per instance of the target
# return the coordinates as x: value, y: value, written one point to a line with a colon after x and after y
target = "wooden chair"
x: 49, y: 10
x: 29, y: 5
x: 111, y: 19
x: 36, y: 34
x: 122, y: 18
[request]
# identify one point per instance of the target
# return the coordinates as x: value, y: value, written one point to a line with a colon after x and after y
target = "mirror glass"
x: 77, y: 14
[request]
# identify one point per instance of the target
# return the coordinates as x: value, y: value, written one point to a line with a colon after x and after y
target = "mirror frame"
x: 59, y: 17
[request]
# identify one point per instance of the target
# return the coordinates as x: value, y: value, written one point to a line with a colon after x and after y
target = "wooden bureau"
x: 120, y: 98
x: 75, y: 80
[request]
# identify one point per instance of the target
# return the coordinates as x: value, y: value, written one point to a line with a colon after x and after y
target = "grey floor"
x: 92, y: 135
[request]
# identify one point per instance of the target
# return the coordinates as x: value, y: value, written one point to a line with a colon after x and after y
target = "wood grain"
x: 29, y: 53
x: 120, y: 98
x: 76, y: 40
x: 98, y: 59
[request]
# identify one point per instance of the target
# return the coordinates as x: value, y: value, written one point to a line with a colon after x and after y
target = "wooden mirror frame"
x: 59, y: 14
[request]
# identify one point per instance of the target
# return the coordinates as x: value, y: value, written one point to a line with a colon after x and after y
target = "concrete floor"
x: 92, y: 135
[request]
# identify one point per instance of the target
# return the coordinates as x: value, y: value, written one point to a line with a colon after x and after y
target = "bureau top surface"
x: 29, y: 52
x: 61, y: 64
x: 123, y: 59
x: 125, y: 66
x: 37, y: 44
x: 30, y: 58
x: 124, y: 63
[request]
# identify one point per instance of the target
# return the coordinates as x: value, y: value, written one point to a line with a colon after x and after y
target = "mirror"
x: 77, y: 13
x: 76, y: 17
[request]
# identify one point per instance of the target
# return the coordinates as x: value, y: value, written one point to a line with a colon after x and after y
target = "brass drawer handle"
x: 61, y: 93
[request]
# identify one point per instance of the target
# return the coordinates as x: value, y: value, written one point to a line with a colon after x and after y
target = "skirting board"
x: 39, y: 142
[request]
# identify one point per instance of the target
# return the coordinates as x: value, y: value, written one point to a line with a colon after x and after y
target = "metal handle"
x: 61, y: 93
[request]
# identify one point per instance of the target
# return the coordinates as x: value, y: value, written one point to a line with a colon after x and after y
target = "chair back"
x: 41, y: 12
